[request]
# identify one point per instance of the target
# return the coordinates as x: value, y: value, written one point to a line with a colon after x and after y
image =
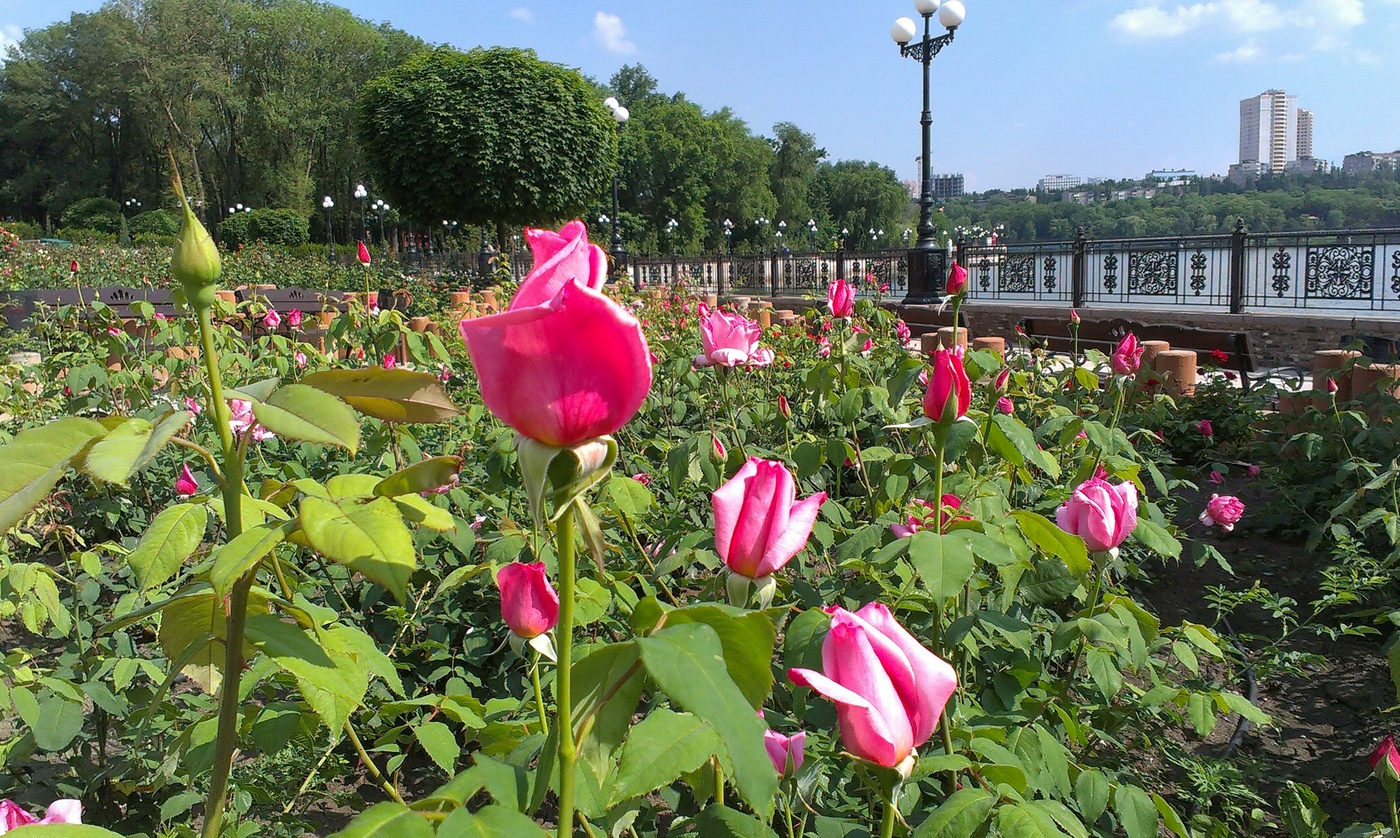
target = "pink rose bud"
x: 888, y: 689
x: 185, y: 484
x: 718, y: 448
x: 901, y: 331
x: 1127, y: 357
x: 1074, y: 317
x: 957, y: 281
x: 192, y: 406
x: 1253, y: 471
x: 294, y: 318
x: 1004, y: 405
x: 1216, y: 477
x: 1225, y: 510
x: 786, y: 752
x: 841, y: 298
x: 1002, y: 378
x: 867, y: 346
x: 731, y: 340
x: 390, y: 361
x: 1385, y: 761
x: 1102, y: 514
x: 949, y: 393
x: 1331, y: 385
x: 529, y: 605
x: 300, y: 359
x: 445, y: 375
x: 363, y: 254
x: 642, y: 478
x: 272, y: 319
x: 73, y: 266
x: 783, y: 407
x: 759, y: 523
x: 1205, y: 427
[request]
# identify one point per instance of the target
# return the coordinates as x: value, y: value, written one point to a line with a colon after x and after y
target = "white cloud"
x: 1248, y: 51
x: 10, y: 35
x: 1319, y: 25
x: 609, y: 32
x: 522, y: 14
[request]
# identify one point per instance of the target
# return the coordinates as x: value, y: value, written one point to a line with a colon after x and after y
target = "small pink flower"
x: 294, y: 318
x: 272, y: 319
x: 1331, y: 385
x: 390, y: 361
x: 193, y: 406
x: 1004, y: 405
x: 823, y: 348
x: 160, y: 316
x: 1216, y: 477
x: 1002, y: 378
x: 185, y: 484
x: 783, y: 406
x: 1074, y: 317
x: 300, y: 359
x: 114, y: 331
x: 243, y: 419
x: 867, y: 346
x: 1253, y: 471
x: 1225, y: 510
x: 445, y: 375
x: 901, y: 331
x: 642, y: 478
x: 922, y: 515
x: 1206, y: 428
x: 477, y: 522
x: 718, y: 448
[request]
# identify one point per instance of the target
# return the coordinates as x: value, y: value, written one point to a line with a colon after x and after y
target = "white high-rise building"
x: 1305, y: 131
x: 1269, y: 130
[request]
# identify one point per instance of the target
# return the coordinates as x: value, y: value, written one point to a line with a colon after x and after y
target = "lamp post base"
x: 928, y: 275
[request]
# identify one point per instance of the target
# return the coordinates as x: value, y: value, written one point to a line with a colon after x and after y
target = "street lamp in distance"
x: 327, y: 204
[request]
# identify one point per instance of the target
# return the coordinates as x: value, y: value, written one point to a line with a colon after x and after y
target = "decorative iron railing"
x: 777, y: 274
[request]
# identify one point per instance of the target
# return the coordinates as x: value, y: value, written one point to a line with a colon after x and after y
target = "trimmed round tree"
x: 488, y: 136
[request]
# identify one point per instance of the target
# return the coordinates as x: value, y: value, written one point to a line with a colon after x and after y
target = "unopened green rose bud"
x: 195, y: 262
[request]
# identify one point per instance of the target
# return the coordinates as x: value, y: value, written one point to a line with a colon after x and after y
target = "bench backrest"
x: 1230, y: 349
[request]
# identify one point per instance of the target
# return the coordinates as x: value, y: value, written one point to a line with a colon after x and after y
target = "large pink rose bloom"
x: 888, y: 689
x: 563, y: 363
x: 1102, y: 514
x: 759, y: 522
x: 12, y: 816
x: 731, y: 340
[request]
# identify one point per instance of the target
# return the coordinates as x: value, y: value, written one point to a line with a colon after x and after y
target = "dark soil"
x: 1327, y: 720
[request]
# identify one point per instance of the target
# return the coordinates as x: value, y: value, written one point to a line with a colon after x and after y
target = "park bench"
x: 19, y: 307
x: 1232, y: 349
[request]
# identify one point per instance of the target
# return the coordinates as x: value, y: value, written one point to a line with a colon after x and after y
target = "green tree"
x: 491, y: 135
x: 795, y: 160
x: 862, y: 196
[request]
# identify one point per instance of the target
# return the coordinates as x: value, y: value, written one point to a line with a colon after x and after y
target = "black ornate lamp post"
x: 928, y: 262
x: 448, y: 228
x: 617, y: 250
x: 380, y: 210
x: 361, y: 193
x: 812, y: 231
x: 327, y: 204
x: 762, y: 224
x: 671, y: 227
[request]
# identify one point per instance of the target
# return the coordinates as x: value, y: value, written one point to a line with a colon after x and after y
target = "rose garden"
x: 580, y: 558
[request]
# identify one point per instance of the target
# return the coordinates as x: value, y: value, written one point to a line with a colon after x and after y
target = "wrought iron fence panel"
x: 1159, y: 272
x: 880, y: 274
x: 1030, y: 272
x: 1350, y: 270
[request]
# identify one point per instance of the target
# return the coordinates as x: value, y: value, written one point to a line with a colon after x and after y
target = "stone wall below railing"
x: 1277, y: 339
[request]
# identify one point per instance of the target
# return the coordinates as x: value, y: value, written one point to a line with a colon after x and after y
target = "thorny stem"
x: 373, y: 769
x: 887, y: 823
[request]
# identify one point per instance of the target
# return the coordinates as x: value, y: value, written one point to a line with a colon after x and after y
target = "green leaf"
x: 165, y: 430
x: 1061, y: 816
x: 802, y: 642
x: 35, y: 460
x: 193, y: 628
x: 1023, y: 821
x: 747, y: 638
x: 1170, y: 817
x: 297, y: 411
x: 1136, y: 812
x: 1300, y: 812
x: 66, y: 830
x: 113, y: 458
x: 1155, y: 537
x: 661, y: 748
x: 170, y: 539
x: 631, y: 498
x: 333, y: 684
x: 490, y: 822
x: 687, y: 662
x: 944, y: 562
x: 1104, y: 670
x: 1201, y: 711
x: 423, y: 512
x: 440, y: 744
x: 387, y: 820
x: 1023, y: 446
x: 1054, y: 541
x: 58, y: 722
x: 425, y: 476
x: 607, y: 684
x: 722, y: 822
x: 959, y: 816
x: 242, y: 554
x: 1049, y: 581
x: 369, y: 538
x: 1241, y: 705
x: 1091, y: 793
x: 396, y: 395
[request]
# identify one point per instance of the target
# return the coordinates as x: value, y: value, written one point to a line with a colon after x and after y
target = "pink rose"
x: 888, y: 689
x: 949, y: 393
x: 759, y: 523
x: 841, y: 298
x: 1385, y: 761
x: 390, y: 361
x: 786, y: 752
x: 1102, y: 514
x: 731, y: 340
x: 272, y: 319
x: 1127, y: 357
x: 1004, y: 405
x: 1225, y: 510
x: 294, y: 318
x: 1216, y: 477
x: 529, y: 604
x: 185, y: 484
x: 12, y: 816
x: 922, y: 516
x: 901, y: 331
x: 957, y: 281
x: 243, y: 419
x: 564, y: 363
x: 1253, y: 471
x: 300, y: 359
x: 1205, y: 427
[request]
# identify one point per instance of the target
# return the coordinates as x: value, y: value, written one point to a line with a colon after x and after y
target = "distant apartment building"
x: 1056, y: 183
x: 1366, y: 162
x: 947, y: 187
x: 1273, y: 131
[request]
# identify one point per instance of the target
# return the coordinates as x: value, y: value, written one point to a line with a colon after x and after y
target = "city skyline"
x: 1099, y: 88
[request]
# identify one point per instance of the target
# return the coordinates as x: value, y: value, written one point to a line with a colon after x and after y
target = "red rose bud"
x: 949, y: 393
x: 1074, y: 317
x: 1331, y: 385
x: 363, y: 254
x: 73, y: 266
x: 1385, y: 762
x: 957, y: 280
x: 1002, y: 378
x: 784, y: 408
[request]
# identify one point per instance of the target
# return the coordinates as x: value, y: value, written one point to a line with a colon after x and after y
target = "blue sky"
x: 1109, y: 88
